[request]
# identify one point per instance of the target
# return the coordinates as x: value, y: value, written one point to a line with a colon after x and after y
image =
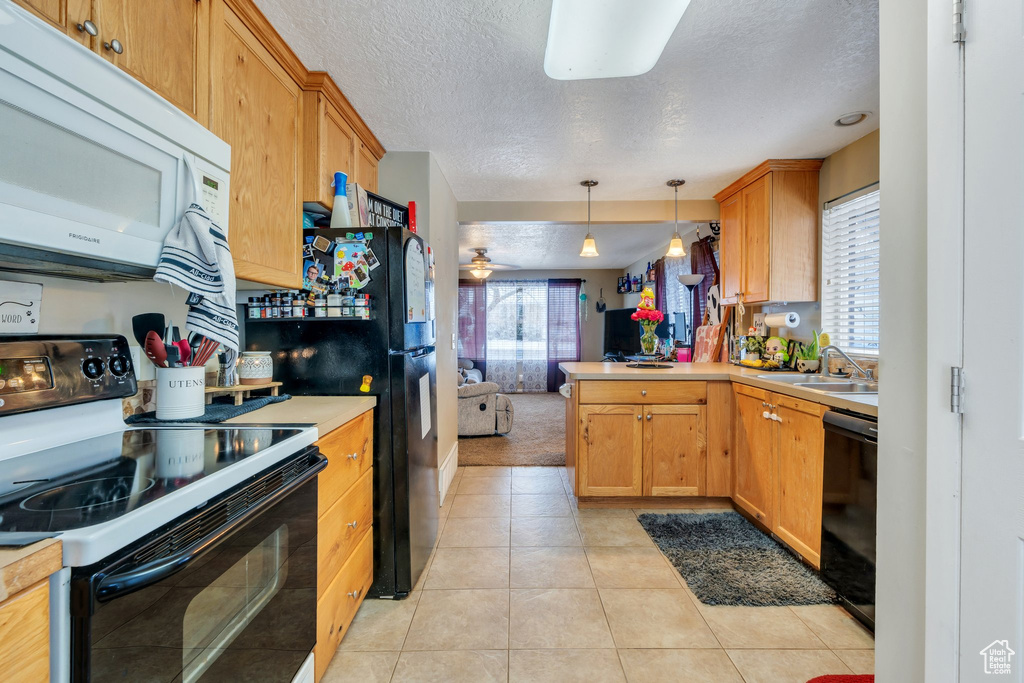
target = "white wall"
x: 902, y: 465
x: 416, y: 176
x: 592, y: 328
x: 73, y: 307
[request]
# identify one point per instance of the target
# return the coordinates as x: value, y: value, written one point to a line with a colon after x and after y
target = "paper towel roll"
x: 790, y: 319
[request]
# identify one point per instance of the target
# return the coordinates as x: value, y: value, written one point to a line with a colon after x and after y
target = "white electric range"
x: 189, y: 549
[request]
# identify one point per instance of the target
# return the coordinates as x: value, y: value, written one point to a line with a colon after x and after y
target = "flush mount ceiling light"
x: 589, y: 249
x: 675, y: 245
x: 608, y: 38
x: 852, y: 119
x: 480, y: 265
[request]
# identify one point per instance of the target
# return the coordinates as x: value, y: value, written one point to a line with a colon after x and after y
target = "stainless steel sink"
x: 800, y: 378
x: 841, y: 387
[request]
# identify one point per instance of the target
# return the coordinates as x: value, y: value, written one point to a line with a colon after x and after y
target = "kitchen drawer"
x: 25, y: 635
x: 349, y: 451
x: 336, y: 609
x: 340, y: 528
x: 641, y: 392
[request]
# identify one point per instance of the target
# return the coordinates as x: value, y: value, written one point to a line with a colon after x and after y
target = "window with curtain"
x: 564, y: 333
x: 850, y: 269
x: 676, y: 300
x: 517, y: 331
x: 472, y: 320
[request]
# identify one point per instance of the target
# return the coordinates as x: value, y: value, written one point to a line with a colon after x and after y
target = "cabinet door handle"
x: 354, y: 524
x: 763, y: 404
x: 648, y: 416
x: 352, y: 456
x: 87, y: 27
x: 114, y: 46
x: 639, y: 417
x: 354, y: 594
x: 643, y: 392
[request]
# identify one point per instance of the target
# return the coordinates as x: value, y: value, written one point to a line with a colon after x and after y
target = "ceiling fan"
x: 480, y: 266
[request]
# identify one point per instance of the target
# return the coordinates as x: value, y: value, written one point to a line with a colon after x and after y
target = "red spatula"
x: 155, y: 350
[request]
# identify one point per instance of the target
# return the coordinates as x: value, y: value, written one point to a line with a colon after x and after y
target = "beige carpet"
x: 537, y: 436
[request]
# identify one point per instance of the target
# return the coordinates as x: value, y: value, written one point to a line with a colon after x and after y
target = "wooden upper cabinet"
x: 336, y: 139
x: 770, y: 233
x: 675, y: 450
x: 731, y: 251
x: 754, y: 478
x: 163, y: 44
x: 800, y: 462
x: 330, y: 148
x: 67, y: 16
x: 366, y: 168
x: 255, y: 106
x: 610, y: 450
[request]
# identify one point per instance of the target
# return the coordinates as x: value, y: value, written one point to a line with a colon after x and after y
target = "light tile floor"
x: 523, y: 586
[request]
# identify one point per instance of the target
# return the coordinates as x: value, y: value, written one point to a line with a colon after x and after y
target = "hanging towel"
x: 196, y: 257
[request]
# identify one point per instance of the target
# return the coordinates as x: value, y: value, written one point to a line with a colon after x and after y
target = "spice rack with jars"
x: 290, y: 305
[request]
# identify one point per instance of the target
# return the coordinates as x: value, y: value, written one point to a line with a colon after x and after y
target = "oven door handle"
x: 117, y: 585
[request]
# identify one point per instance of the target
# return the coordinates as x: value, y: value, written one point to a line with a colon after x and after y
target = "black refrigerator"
x: 395, y: 347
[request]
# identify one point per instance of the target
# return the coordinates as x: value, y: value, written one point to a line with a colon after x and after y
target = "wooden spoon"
x: 155, y: 349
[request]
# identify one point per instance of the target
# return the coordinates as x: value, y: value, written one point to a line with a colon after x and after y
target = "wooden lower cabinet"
x: 754, y: 479
x: 344, y: 541
x: 339, y: 603
x: 675, y: 450
x: 610, y: 450
x: 25, y: 635
x: 801, y: 445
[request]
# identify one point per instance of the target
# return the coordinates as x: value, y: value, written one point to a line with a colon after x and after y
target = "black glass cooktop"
x: 96, y: 480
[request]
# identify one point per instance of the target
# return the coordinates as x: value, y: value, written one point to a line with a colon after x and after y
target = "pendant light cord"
x: 588, y: 209
x: 676, y: 188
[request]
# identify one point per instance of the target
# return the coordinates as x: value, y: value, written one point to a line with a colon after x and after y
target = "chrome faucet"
x: 869, y: 374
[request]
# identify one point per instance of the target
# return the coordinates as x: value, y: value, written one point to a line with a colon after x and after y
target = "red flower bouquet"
x: 648, y: 317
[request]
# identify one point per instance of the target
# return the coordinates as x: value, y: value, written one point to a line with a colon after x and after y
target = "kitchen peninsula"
x: 695, y: 435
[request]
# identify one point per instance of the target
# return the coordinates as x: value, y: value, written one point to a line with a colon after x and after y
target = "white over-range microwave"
x: 95, y: 168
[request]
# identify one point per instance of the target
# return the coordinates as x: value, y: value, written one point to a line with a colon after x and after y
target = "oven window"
x: 243, y: 611
x: 219, y: 613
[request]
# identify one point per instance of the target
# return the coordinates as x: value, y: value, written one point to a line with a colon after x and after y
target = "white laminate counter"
x: 326, y: 412
x: 865, y: 404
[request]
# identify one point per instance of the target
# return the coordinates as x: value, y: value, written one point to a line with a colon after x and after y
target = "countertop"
x: 865, y: 404
x: 326, y: 412
x: 21, y: 568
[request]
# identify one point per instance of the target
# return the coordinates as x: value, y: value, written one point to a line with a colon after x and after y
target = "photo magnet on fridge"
x: 371, y: 258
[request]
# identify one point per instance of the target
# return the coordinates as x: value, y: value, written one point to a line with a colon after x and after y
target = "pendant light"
x: 675, y: 245
x: 589, y: 249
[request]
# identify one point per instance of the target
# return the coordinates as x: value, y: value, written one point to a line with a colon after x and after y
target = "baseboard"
x: 446, y: 473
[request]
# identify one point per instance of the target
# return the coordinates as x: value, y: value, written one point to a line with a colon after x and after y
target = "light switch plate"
x: 453, y: 341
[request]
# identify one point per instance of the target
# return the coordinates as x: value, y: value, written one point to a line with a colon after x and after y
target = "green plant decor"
x: 809, y: 351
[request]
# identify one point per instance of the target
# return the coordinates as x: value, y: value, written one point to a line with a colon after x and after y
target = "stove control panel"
x: 41, y: 372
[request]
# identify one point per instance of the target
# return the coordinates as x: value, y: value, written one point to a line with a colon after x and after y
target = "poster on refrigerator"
x: 424, y: 406
x: 415, y: 283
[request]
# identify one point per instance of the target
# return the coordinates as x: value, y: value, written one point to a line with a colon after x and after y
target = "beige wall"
x: 851, y: 168
x: 591, y: 329
x: 697, y: 210
x: 416, y: 176
x: 903, y: 470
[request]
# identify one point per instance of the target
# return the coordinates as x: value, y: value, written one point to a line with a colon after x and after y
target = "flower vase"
x: 648, y: 342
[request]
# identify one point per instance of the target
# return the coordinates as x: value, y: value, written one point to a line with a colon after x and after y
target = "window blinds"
x: 849, y: 308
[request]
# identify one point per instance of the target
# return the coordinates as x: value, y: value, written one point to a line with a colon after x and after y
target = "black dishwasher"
x: 849, y: 511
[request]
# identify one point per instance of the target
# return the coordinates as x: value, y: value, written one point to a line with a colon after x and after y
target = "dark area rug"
x: 726, y: 560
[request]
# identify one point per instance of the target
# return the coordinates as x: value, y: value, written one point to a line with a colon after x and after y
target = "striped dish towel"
x: 196, y: 257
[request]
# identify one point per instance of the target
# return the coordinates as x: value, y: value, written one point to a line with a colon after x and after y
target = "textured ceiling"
x: 557, y: 245
x: 739, y: 82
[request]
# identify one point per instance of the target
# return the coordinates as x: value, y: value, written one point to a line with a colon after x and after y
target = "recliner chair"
x: 483, y: 411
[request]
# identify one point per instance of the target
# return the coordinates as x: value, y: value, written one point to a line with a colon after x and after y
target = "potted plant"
x: 807, y: 356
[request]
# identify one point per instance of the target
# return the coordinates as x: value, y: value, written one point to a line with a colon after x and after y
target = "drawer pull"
x: 354, y: 524
x: 354, y: 594
x: 639, y: 417
x: 648, y: 417
x: 352, y: 456
x: 643, y: 392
